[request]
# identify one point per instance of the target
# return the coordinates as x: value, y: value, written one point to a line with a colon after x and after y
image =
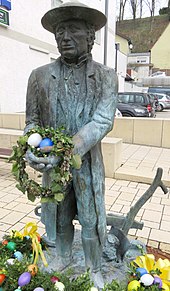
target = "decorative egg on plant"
x: 147, y: 280
x: 38, y: 289
x: 24, y: 279
x: 133, y: 285
x: 11, y: 246
x: 2, y: 278
x: 18, y: 255
x: 60, y: 286
x: 34, y: 139
x: 46, y: 144
x: 141, y: 271
x: 54, y: 279
x: 33, y: 269
x: 157, y: 281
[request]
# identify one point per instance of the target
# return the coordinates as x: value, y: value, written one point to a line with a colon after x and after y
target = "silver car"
x: 164, y: 100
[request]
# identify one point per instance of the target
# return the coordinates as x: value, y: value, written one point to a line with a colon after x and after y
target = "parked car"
x: 132, y: 110
x: 164, y: 101
x: 138, y: 98
x: 159, y: 90
x: 158, y: 107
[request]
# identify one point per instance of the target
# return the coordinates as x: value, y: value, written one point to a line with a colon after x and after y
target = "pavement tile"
x: 151, y: 224
x: 12, y: 217
x: 126, y: 196
x: 11, y: 205
x: 165, y: 247
x: 109, y: 200
x: 165, y: 225
x: 142, y: 239
x: 129, y: 190
x: 115, y: 188
x: 123, y: 202
x: 166, y: 210
x: 156, y: 200
x: 153, y: 206
x: 4, y: 212
x: 153, y: 243
x: 116, y: 207
x: 150, y: 215
x: 4, y: 226
x: 17, y: 226
x: 165, y: 201
x: 160, y: 235
x: 8, y: 198
x: 111, y: 193
x: 122, y: 183
x: 166, y: 217
x: 144, y: 232
x: 25, y: 208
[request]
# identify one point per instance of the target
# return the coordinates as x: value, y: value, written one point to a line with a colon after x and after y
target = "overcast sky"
x: 146, y: 11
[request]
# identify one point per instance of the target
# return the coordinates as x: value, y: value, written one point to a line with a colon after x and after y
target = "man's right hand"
x: 41, y: 164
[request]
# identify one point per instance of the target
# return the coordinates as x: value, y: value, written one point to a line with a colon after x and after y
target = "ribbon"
x: 30, y: 230
x: 148, y: 262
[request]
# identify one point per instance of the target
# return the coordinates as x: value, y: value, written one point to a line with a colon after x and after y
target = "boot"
x: 93, y: 253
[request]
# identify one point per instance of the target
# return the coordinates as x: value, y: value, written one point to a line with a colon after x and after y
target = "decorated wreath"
x: 43, y: 142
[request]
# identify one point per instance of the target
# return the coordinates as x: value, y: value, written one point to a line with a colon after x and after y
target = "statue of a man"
x: 79, y: 94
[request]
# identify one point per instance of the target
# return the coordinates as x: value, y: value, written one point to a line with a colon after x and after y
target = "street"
x: 163, y: 114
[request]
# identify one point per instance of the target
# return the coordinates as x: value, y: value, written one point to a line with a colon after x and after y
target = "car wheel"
x: 161, y: 107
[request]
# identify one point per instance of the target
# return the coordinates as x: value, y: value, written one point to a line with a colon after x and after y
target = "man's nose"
x: 66, y: 35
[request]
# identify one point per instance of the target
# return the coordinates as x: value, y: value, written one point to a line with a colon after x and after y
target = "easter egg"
x: 24, y: 279
x: 18, y: 255
x: 18, y: 289
x: 165, y: 287
x: 93, y: 289
x: 5, y: 242
x: 133, y: 285
x: 38, y: 289
x: 54, y: 279
x: 147, y: 279
x: 10, y: 261
x: 34, y: 139
x: 141, y: 271
x: 158, y: 281
x: 33, y: 269
x: 11, y: 246
x: 46, y: 142
x: 60, y: 286
x: 2, y: 278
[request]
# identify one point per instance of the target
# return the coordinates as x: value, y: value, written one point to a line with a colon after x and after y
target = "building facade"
x: 25, y: 45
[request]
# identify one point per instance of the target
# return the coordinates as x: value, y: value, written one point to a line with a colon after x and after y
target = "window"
x: 139, y: 99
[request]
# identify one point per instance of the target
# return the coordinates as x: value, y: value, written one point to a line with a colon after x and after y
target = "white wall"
x: 25, y: 31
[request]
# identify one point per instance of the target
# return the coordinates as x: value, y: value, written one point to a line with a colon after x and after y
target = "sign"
x: 4, y: 17
x: 6, y: 4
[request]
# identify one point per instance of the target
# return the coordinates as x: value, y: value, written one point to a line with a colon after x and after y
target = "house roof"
x: 143, y: 32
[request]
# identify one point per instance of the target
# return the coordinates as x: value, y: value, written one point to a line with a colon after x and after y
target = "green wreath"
x: 61, y: 175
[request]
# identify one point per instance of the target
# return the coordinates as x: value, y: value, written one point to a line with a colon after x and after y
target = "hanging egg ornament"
x: 24, y: 279
x: 157, y: 281
x: 147, y: 280
x: 60, y: 286
x: 54, y: 279
x: 133, y: 285
x: 2, y: 278
x: 141, y: 271
x: 11, y: 246
x: 34, y: 139
x: 33, y: 269
x: 18, y: 255
x: 38, y: 289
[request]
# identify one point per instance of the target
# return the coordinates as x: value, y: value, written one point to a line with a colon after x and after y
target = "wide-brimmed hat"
x: 73, y: 10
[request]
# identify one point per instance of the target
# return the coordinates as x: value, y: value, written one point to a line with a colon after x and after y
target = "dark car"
x: 132, y: 110
x: 138, y: 98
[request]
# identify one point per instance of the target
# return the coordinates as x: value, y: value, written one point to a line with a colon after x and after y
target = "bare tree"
x: 133, y: 4
x: 122, y: 9
x: 151, y: 6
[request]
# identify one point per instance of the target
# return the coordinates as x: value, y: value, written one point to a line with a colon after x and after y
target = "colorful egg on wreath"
x: 54, y: 279
x: 2, y: 278
x: 10, y: 261
x: 11, y: 246
x: 18, y: 255
x: 33, y: 269
x: 141, y: 271
x: 34, y: 139
x: 60, y: 286
x: 38, y: 289
x: 5, y: 242
x: 147, y: 280
x: 133, y: 285
x: 157, y: 281
x: 24, y: 279
x: 46, y: 142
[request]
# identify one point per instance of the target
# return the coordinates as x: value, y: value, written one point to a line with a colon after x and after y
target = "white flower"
x: 60, y: 286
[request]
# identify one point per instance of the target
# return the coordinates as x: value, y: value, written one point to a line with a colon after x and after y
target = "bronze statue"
x: 79, y: 94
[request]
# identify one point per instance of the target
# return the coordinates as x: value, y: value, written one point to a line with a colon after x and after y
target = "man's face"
x: 71, y: 37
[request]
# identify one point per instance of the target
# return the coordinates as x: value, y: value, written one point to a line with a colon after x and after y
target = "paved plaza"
x: 122, y: 192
